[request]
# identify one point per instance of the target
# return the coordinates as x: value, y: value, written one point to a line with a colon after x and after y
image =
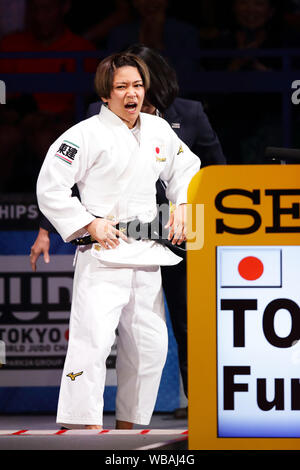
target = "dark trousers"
x: 174, y: 285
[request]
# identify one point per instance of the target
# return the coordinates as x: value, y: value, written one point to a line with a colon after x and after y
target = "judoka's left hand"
x: 177, y: 225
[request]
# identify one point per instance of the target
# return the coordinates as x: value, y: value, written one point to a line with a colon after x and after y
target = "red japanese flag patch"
x: 250, y: 267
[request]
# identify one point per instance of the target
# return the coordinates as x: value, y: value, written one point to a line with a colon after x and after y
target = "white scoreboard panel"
x: 258, y: 348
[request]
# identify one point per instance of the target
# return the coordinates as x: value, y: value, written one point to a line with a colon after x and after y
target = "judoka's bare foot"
x: 123, y: 425
x: 93, y: 426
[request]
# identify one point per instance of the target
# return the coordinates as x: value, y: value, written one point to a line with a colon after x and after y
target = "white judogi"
x: 116, y: 177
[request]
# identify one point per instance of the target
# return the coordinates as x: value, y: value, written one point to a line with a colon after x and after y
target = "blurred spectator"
x: 255, y: 25
x: 248, y: 122
x: 253, y: 31
x: 95, y: 22
x: 292, y: 13
x: 12, y: 16
x: 153, y: 26
x: 99, y: 32
x: 212, y: 17
x: 39, y: 118
x: 46, y: 32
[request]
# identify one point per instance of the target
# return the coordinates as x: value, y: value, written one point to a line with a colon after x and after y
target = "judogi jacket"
x: 116, y: 176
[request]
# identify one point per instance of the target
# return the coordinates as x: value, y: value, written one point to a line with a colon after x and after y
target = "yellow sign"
x: 244, y: 309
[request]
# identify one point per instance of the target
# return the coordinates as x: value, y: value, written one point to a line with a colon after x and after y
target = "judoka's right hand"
x: 105, y: 233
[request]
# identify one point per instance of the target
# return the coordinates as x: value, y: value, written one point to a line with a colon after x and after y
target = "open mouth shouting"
x: 131, y: 107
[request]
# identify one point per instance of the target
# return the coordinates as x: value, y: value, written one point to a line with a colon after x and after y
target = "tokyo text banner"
x: 244, y: 309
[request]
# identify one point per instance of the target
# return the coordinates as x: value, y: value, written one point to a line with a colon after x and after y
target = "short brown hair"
x: 106, y: 69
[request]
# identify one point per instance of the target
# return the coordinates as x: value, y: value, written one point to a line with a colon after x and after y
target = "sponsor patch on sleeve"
x: 67, y: 152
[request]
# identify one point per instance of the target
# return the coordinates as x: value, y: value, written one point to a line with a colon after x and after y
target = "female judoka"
x: 115, y: 158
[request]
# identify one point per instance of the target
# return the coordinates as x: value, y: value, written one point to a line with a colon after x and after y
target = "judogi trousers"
x: 104, y: 299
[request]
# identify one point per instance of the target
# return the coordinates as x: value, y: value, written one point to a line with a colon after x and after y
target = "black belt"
x: 153, y: 230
